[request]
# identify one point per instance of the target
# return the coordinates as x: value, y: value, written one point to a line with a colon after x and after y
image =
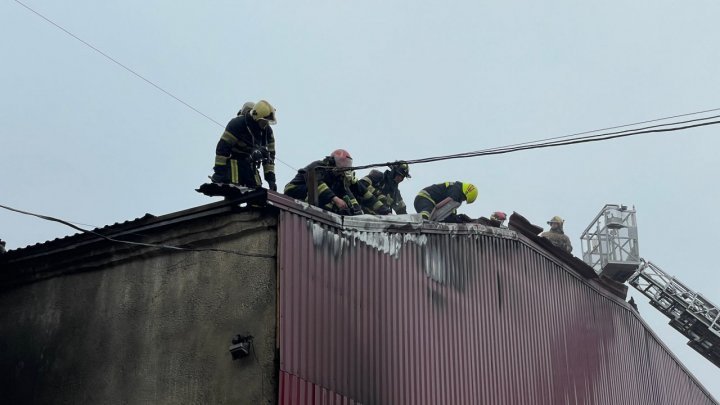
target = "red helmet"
x: 342, y: 158
x: 498, y: 216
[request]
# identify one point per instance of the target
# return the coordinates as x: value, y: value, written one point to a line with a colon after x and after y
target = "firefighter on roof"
x: 333, y: 185
x: 430, y: 196
x: 384, y: 186
x: 556, y: 234
x: 497, y: 219
x: 247, y: 142
x: 369, y: 202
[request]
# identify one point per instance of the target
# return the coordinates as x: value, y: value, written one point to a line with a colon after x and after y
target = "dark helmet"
x: 246, y: 108
x: 400, y: 168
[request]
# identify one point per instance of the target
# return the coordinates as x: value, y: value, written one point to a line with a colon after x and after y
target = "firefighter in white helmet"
x: 556, y: 235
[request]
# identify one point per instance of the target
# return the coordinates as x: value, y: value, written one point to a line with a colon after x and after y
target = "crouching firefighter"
x: 247, y: 142
x: 434, y: 195
x: 333, y: 185
x: 384, y: 186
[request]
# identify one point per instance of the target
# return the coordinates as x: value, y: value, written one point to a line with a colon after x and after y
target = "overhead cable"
x: 524, y: 146
x: 557, y: 142
x: 136, y: 74
x: 621, y: 126
x: 127, y: 242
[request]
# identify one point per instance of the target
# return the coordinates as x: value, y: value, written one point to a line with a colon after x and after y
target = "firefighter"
x: 385, y: 188
x: 498, y: 218
x: 556, y: 234
x: 247, y: 142
x: 430, y: 196
x: 333, y: 185
x: 369, y: 202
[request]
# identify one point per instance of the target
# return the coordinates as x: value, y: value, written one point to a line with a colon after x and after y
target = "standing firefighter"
x: 332, y: 185
x: 431, y: 196
x: 385, y: 188
x: 247, y: 143
x: 556, y: 234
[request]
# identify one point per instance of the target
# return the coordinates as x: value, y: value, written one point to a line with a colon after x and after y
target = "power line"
x: 544, y: 144
x: 127, y: 242
x: 557, y: 142
x: 618, y: 126
x: 141, y: 77
x: 136, y: 74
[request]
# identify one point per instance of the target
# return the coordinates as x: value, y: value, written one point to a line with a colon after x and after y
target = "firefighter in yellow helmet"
x: 247, y: 143
x: 430, y: 196
x: 556, y: 235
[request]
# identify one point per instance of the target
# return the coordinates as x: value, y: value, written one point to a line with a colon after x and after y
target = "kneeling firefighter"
x: 429, y: 197
x: 333, y: 185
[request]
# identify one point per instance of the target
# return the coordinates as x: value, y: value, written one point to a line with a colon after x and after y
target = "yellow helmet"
x: 555, y: 219
x: 470, y: 192
x: 263, y: 110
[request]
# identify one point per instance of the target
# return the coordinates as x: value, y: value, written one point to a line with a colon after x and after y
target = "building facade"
x: 371, y: 310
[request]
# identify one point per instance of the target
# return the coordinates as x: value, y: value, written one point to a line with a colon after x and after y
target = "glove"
x: 272, y: 186
x: 256, y: 155
x: 384, y: 210
x: 220, y: 176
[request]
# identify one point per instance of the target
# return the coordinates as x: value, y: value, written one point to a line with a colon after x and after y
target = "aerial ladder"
x: 610, y: 246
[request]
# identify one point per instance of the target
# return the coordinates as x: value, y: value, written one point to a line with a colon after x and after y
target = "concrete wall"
x: 147, y: 326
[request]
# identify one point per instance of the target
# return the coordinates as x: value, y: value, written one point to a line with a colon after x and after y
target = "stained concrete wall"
x: 131, y: 325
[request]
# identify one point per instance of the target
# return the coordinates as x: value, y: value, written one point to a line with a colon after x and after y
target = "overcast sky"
x: 87, y: 141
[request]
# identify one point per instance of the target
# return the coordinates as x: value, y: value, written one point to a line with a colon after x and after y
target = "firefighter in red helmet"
x: 332, y: 183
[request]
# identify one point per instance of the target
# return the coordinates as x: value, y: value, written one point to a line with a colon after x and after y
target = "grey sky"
x: 86, y: 141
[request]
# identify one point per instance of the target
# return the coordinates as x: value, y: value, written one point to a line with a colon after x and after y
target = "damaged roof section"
x: 531, y: 232
x: 371, y: 229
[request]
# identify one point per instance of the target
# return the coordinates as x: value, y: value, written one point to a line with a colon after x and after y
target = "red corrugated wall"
x: 441, y: 318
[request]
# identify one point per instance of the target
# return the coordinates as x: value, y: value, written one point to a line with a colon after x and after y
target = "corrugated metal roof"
x: 118, y: 226
x: 130, y: 227
x: 437, y: 313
